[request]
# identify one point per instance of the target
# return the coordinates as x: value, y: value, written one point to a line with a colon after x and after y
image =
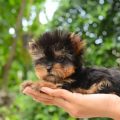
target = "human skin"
x: 78, y: 105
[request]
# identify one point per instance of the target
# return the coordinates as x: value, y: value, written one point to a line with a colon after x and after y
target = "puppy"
x: 57, y: 58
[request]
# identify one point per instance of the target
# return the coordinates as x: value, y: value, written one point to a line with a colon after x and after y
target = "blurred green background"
x: 97, y: 21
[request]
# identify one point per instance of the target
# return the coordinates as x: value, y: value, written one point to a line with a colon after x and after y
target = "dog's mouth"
x: 51, y: 75
x: 55, y: 74
x: 52, y: 78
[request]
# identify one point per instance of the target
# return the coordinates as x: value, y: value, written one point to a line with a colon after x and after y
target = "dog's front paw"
x: 25, y: 84
x: 38, y: 85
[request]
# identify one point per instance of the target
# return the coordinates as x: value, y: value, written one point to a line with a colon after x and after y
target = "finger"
x: 45, y: 99
x: 41, y: 100
x: 60, y: 93
x: 56, y: 101
x: 35, y: 94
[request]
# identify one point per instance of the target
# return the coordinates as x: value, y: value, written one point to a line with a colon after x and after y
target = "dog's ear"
x: 78, y: 43
x: 35, y: 50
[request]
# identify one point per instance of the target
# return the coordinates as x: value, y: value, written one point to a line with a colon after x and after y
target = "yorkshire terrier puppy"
x: 57, y: 58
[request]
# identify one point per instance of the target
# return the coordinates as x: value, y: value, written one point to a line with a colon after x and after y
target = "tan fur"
x: 38, y: 85
x: 40, y: 71
x: 63, y: 71
x: 94, y: 88
x: 78, y: 44
x: 103, y: 83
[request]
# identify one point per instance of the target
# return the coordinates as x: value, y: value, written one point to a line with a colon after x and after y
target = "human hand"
x: 79, y: 105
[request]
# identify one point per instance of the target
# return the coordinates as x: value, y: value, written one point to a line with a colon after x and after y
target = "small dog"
x: 57, y: 58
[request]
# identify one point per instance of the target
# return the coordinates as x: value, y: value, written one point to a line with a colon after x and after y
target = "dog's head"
x: 57, y: 54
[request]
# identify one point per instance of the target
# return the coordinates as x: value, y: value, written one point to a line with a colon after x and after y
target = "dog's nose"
x: 48, y: 68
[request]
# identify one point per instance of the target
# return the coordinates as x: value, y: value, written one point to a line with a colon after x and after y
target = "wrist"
x: 115, y: 107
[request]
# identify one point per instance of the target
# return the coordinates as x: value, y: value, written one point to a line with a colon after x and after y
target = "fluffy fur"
x: 57, y: 58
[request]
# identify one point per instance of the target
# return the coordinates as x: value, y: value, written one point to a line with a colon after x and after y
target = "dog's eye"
x: 43, y: 60
x: 60, y: 59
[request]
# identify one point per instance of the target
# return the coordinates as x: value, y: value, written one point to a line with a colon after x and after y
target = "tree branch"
x: 7, y: 66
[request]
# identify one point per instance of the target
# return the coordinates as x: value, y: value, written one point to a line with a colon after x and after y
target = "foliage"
x: 96, y: 21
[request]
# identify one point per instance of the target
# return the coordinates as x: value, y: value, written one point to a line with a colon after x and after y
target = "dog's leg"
x: 37, y: 85
x: 95, y: 88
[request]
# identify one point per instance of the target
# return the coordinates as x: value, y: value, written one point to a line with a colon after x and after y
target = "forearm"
x: 115, y: 108
x: 97, y: 105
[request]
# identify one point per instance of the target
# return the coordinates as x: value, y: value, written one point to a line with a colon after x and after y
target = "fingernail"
x: 46, y: 90
x: 25, y: 91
